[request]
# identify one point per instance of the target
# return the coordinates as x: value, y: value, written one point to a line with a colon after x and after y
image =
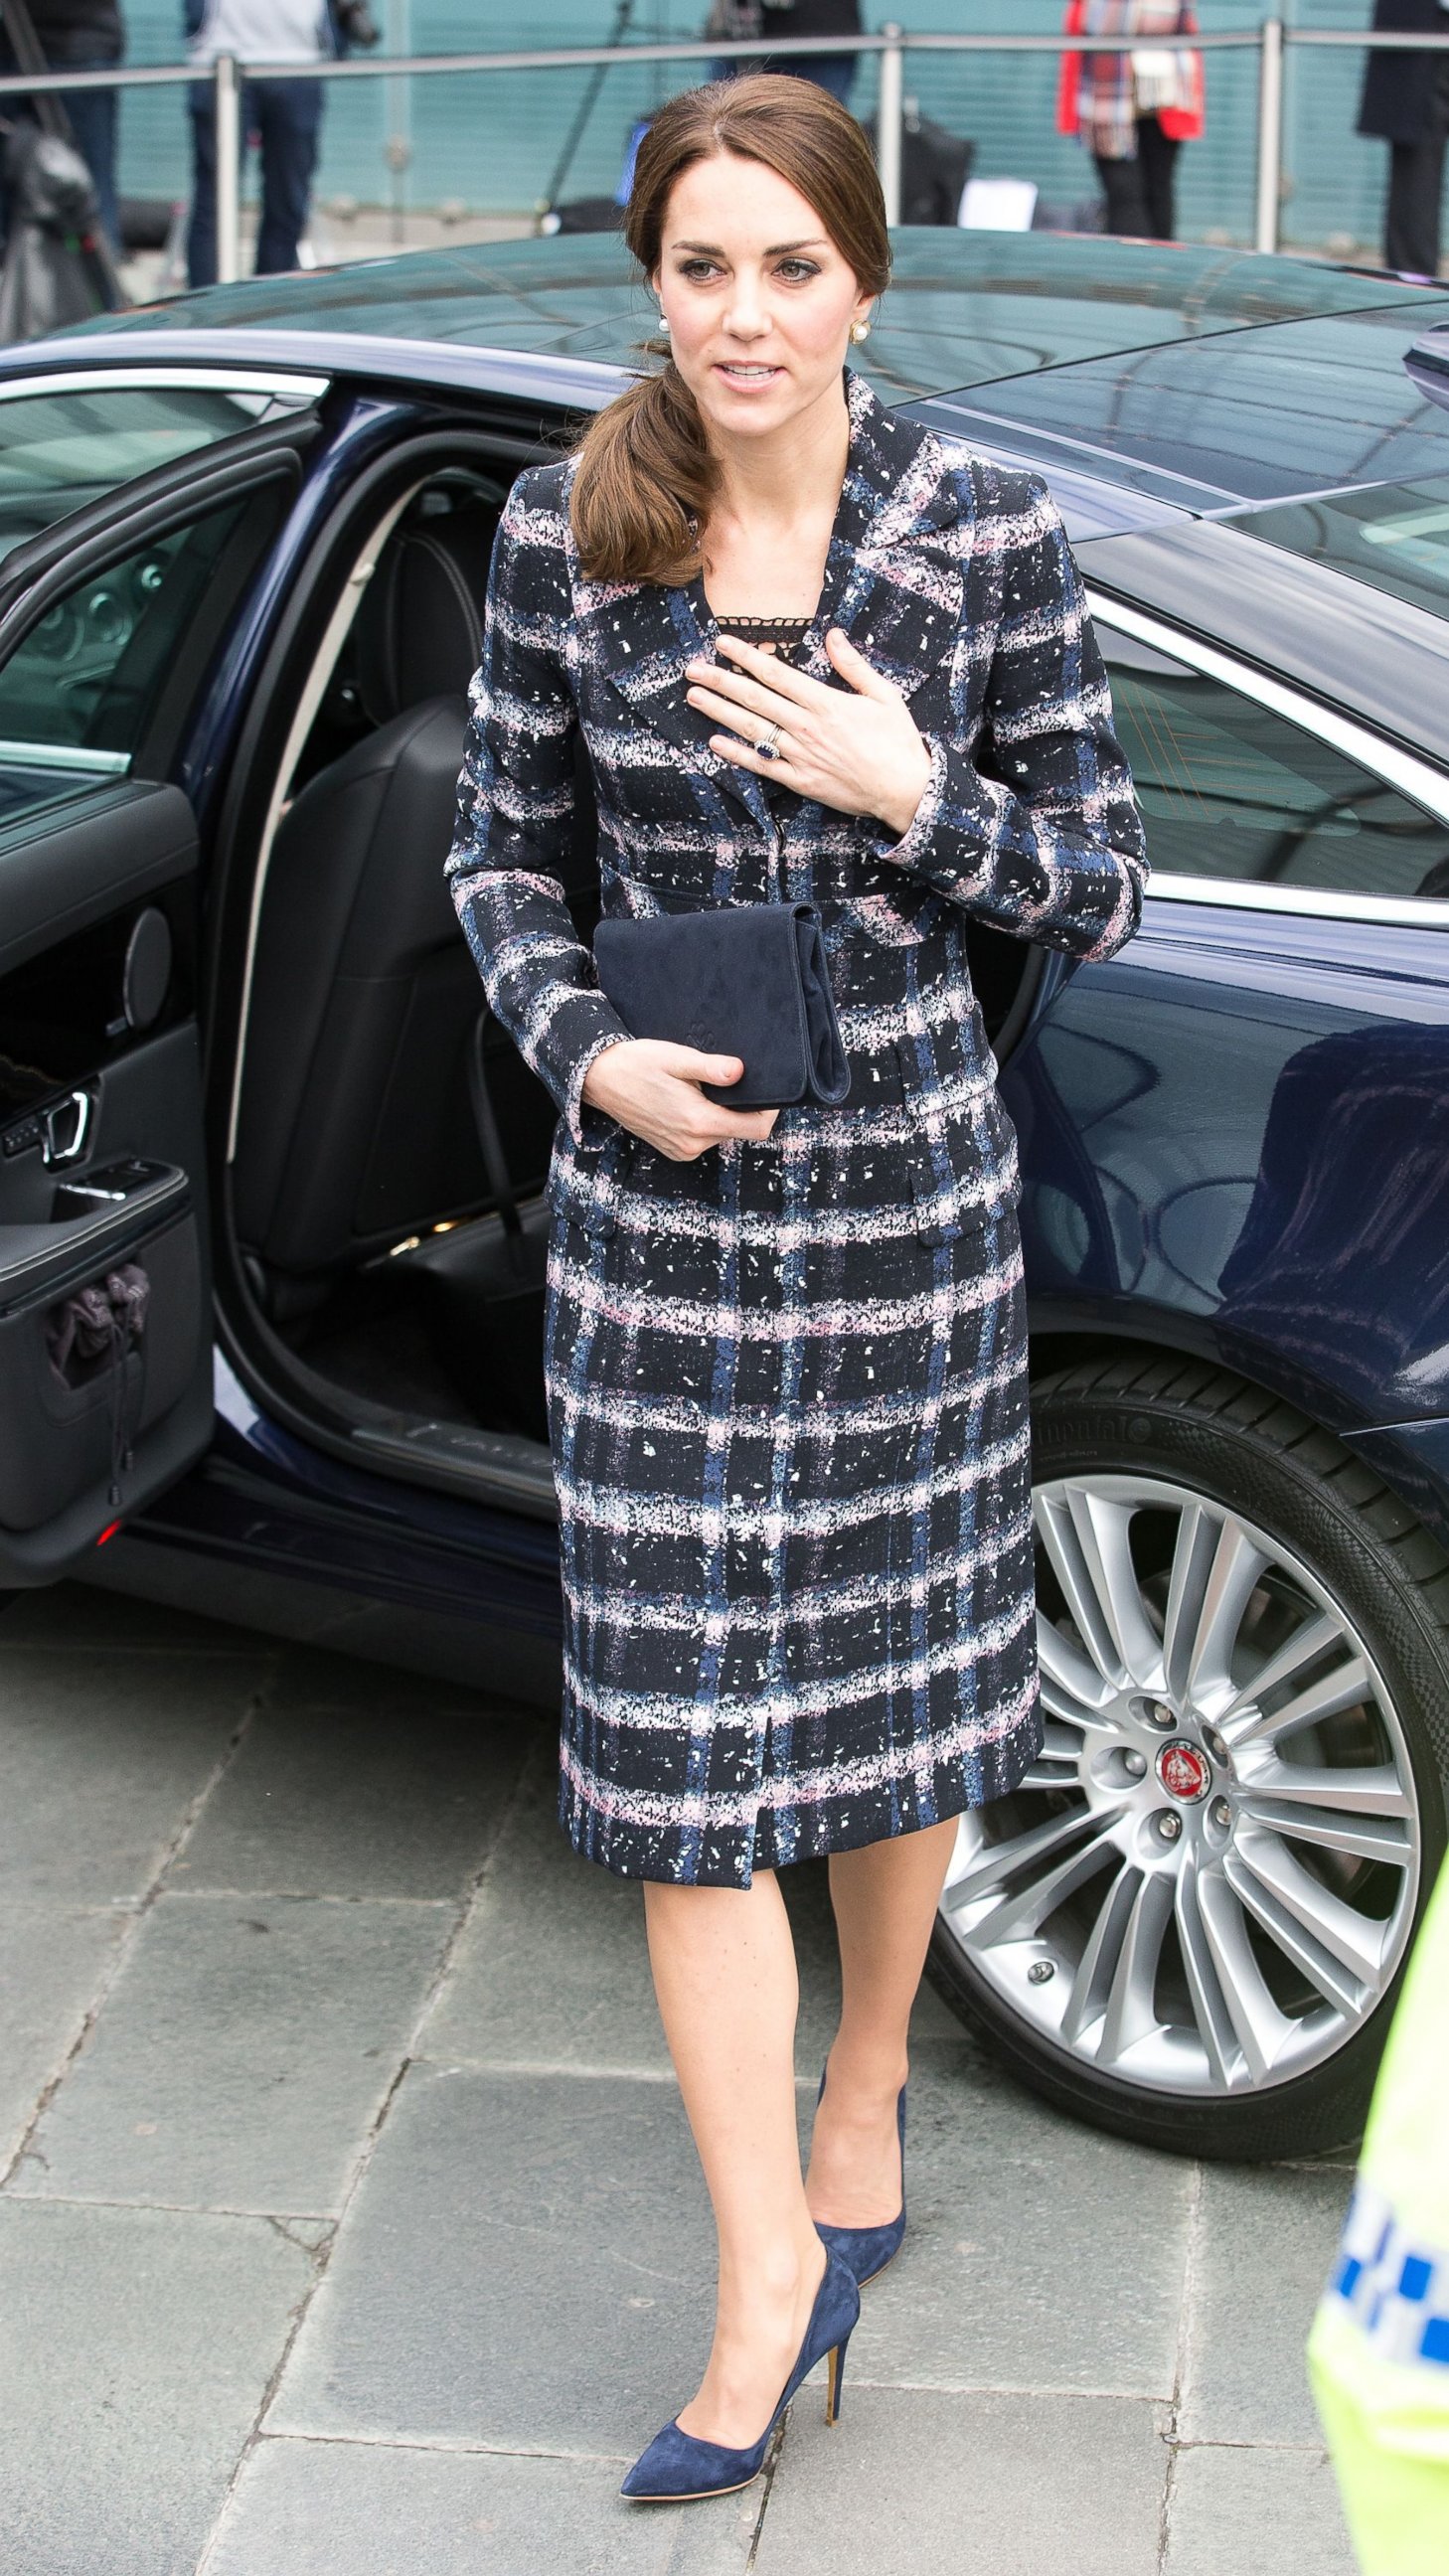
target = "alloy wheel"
x: 1206, y: 1881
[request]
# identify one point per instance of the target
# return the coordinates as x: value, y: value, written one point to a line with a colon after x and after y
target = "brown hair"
x: 646, y: 476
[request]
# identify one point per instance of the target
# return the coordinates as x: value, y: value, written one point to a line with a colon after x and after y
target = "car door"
x: 118, y: 589
x: 1241, y: 1126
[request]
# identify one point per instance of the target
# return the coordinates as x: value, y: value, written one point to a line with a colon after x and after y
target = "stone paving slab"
x: 365, y: 2509
x: 525, y: 2266
x: 135, y: 2348
x: 100, y: 1760
x: 242, y: 2056
x: 919, y: 2484
x: 86, y: 1618
x: 1266, y: 2241
x: 1040, y: 2253
x: 552, y: 1970
x: 312, y: 1677
x: 349, y: 1802
x: 53, y: 1959
x: 1238, y: 2512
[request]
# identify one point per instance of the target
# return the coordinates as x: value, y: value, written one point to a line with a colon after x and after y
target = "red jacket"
x: 1183, y: 125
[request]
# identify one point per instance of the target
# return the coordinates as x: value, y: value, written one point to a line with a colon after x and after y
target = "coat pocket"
x: 584, y: 1181
x: 950, y: 1166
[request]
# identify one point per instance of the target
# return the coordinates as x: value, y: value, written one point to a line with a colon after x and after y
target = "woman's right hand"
x: 653, y: 1088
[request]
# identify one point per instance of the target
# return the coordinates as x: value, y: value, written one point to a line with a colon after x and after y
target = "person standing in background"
x: 1133, y: 107
x: 1406, y: 105
x: 83, y: 36
x: 285, y: 116
x: 743, y: 18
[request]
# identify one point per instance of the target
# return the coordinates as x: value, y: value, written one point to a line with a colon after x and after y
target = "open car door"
x: 112, y: 619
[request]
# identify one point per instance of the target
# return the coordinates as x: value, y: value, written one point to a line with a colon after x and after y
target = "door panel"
x: 77, y: 864
x: 107, y: 631
x: 101, y: 1169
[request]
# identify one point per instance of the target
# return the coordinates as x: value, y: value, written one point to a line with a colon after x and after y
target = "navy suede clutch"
x: 745, y: 979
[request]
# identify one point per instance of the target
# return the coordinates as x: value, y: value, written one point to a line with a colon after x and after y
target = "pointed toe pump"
x: 678, y: 2469
x: 866, y: 2250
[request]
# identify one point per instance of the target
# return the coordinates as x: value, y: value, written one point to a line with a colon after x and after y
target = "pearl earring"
x: 859, y: 331
x: 664, y: 324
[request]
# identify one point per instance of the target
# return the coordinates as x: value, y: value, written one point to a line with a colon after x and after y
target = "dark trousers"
x: 92, y: 114
x: 286, y: 118
x: 1416, y: 188
x: 1139, y: 192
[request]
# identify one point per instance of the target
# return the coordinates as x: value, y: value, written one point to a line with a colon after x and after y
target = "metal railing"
x: 1270, y: 41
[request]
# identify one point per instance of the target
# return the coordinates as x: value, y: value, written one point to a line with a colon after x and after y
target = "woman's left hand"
x: 859, y: 752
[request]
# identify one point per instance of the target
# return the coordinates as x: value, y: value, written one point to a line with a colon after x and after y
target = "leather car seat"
x: 355, y: 1126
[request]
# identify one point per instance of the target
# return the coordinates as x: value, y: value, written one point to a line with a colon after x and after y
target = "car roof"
x: 1157, y: 386
x: 964, y: 308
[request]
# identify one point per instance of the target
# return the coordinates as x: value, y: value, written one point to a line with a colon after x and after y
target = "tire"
x: 1136, y: 1933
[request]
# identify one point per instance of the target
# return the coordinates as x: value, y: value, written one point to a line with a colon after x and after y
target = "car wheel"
x: 1189, y: 1923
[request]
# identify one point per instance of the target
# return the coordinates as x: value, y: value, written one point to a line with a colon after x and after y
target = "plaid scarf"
x: 1117, y: 88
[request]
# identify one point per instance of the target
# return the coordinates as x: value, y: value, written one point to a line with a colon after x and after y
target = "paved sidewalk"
x: 350, y: 2226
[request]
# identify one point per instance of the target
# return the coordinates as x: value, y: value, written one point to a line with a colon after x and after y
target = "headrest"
x: 419, y: 630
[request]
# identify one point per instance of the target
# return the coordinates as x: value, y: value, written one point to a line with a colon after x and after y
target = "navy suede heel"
x: 679, y: 2469
x: 866, y: 2250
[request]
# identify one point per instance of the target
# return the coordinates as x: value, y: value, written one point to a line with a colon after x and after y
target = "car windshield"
x: 1249, y: 415
x: 1395, y: 535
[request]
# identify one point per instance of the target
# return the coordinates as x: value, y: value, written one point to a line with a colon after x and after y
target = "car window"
x: 1395, y: 535
x: 60, y: 450
x: 80, y: 693
x: 1230, y: 789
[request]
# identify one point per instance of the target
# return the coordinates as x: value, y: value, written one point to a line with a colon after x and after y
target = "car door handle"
x: 66, y: 1130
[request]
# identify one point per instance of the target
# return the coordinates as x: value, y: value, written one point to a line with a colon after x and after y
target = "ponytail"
x: 644, y: 485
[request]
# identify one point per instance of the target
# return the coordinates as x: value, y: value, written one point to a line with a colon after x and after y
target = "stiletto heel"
x: 678, y: 2468
x: 866, y: 2250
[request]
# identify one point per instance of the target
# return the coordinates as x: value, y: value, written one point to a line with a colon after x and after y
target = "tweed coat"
x: 786, y: 1380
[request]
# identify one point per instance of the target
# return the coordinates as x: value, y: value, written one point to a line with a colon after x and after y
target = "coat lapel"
x: 649, y: 635
x: 892, y: 577
x: 892, y: 582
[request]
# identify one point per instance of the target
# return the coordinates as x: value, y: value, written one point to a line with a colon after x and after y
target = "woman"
x: 1134, y: 108
x: 785, y: 1351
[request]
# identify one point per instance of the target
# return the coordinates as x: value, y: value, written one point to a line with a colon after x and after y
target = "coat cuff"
x: 955, y: 788
x: 574, y: 1109
x: 916, y: 839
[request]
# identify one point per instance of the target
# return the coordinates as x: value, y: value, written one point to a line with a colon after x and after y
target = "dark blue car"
x: 244, y: 1078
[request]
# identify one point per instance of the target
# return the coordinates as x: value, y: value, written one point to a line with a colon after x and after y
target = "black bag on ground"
x: 482, y: 1285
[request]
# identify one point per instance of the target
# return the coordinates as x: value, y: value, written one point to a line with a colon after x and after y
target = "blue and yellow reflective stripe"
x: 1397, y: 2289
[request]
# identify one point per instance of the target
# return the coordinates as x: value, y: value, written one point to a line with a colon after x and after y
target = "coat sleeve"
x: 516, y: 809
x: 1033, y: 826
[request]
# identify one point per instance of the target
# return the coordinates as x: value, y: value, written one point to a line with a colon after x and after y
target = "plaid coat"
x: 786, y: 1381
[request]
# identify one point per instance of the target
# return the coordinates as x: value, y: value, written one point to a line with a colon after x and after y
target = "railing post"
x: 888, y: 112
x: 226, y: 90
x: 1270, y: 134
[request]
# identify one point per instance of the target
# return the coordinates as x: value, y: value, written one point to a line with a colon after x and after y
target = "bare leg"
x: 885, y: 1898
x: 724, y: 1972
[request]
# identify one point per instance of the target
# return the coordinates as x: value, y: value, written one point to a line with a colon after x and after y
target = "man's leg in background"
x: 92, y: 114
x: 201, y: 231
x: 289, y: 116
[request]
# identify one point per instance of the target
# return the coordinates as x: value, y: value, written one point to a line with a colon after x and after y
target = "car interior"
x: 382, y: 1122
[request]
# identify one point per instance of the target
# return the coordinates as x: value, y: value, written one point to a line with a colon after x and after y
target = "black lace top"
x: 787, y: 634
